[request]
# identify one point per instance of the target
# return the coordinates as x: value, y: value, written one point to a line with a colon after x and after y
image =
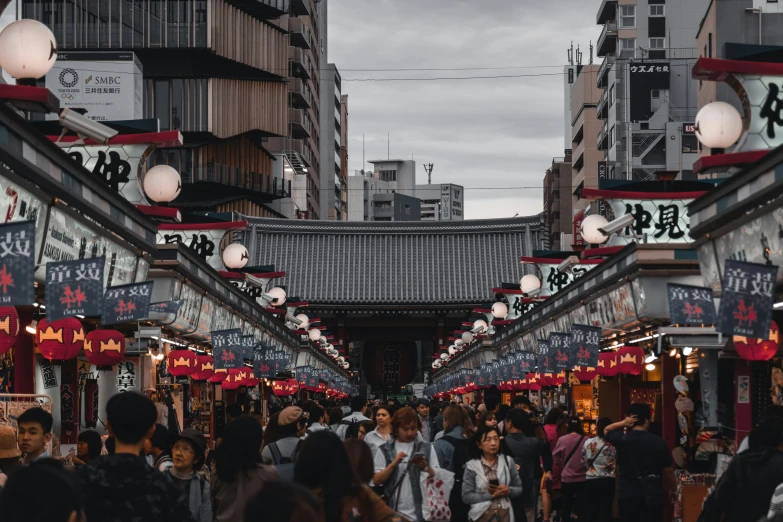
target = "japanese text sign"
x: 747, y: 299
x: 74, y: 288
x: 691, y: 305
x: 546, y: 362
x: 126, y: 303
x: 227, y: 349
x: 585, y: 345
x: 560, y: 349
x: 263, y: 363
x: 247, y: 343
x: 17, y: 263
x: 524, y: 363
x: 659, y: 220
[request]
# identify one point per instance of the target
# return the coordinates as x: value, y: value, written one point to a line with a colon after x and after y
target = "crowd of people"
x: 365, y: 462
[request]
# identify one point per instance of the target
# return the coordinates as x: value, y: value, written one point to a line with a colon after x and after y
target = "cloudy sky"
x: 494, y: 133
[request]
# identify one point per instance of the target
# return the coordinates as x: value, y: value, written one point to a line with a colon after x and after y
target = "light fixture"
x: 650, y: 367
x: 499, y: 310
x: 778, y: 305
x: 305, y: 321
x: 276, y: 296
x: 444, y: 356
x: 452, y: 350
x: 646, y: 338
x: 314, y: 334
x: 79, y: 316
x: 480, y: 326
x: 529, y: 284
x: 616, y: 225
x: 30, y: 328
x: 591, y: 229
x: 28, y: 49
x: 718, y: 125
x: 567, y: 264
x: 467, y: 337
x: 687, y: 351
x: 162, y: 184
x: 650, y: 358
x: 673, y: 352
x: 235, y: 256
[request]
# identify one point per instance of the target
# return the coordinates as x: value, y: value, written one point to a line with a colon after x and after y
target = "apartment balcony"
x: 263, y: 9
x: 301, y: 66
x: 602, y: 78
x: 301, y: 7
x: 602, y: 142
x: 383, y: 211
x: 607, y: 42
x: 301, y: 94
x: 301, y: 36
x: 301, y: 127
x: 606, y: 11
x: 227, y: 176
x: 602, y: 109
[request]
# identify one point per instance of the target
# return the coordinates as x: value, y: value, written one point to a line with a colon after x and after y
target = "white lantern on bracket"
x: 467, y: 337
x: 345, y: 365
x: 459, y: 344
x: 452, y: 350
x: 314, y: 334
x: 324, y: 341
x: 444, y: 356
x: 590, y: 229
x: 499, y: 310
x: 278, y: 296
x: 529, y: 283
x: 162, y: 184
x: 235, y: 256
x: 28, y: 50
x: 718, y: 125
x: 480, y: 326
x: 436, y: 363
x: 341, y: 359
x: 305, y: 321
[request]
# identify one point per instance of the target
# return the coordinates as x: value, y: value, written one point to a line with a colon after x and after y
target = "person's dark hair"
x: 478, y: 438
x: 21, y: 498
x: 404, y: 417
x: 455, y: 415
x: 346, y: 401
x: 518, y: 418
x: 575, y: 425
x: 357, y: 403
x: 93, y: 441
x: 335, y: 415
x: 290, y: 430
x: 39, y: 415
x: 316, y: 412
x: 130, y: 416
x: 434, y: 410
x: 111, y: 445
x: 521, y: 400
x: 284, y: 502
x: 386, y: 408
x: 491, y: 403
x: 642, y: 412
x: 360, y: 455
x: 553, y: 416
x: 773, y: 410
x: 323, y: 463
x: 486, y: 416
x: 233, y: 410
x: 161, y: 438
x: 502, y: 412
x: 768, y: 434
x: 601, y: 425
x: 239, y: 450
x: 368, y: 426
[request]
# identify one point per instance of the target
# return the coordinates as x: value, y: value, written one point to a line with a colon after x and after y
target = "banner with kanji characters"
x: 264, y: 362
x: 246, y: 345
x: 585, y: 345
x: 747, y: 299
x: 227, y: 349
x: 126, y: 303
x: 560, y: 349
x: 546, y: 361
x: 17, y: 263
x: 74, y: 288
x: 524, y: 363
x: 691, y: 305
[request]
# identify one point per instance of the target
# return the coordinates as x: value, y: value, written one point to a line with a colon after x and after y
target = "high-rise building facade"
x: 586, y: 159
x: 557, y: 203
x: 344, y: 156
x: 332, y: 177
x: 200, y: 79
x: 648, y: 99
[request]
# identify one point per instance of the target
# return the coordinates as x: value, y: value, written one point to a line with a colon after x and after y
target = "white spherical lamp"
x: 590, y: 229
x: 480, y: 326
x: 452, y: 350
x: 162, y: 184
x: 278, y: 296
x: 459, y: 344
x: 305, y: 321
x: 341, y: 359
x: 28, y: 49
x: 314, y: 334
x: 436, y: 364
x: 444, y: 356
x: 345, y: 365
x: 235, y: 256
x: 529, y: 283
x: 324, y: 341
x: 467, y: 337
x: 718, y: 125
x: 499, y: 310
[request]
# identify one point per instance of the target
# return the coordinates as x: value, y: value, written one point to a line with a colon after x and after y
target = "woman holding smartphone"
x: 491, y: 479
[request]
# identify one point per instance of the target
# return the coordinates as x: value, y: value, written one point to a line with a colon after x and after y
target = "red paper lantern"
x: 104, y: 348
x: 182, y: 363
x: 544, y: 379
x: 559, y: 379
x: 9, y: 328
x: 607, y: 364
x: 218, y: 376
x: 60, y: 340
x: 630, y: 360
x: 233, y: 381
x: 759, y: 349
x: 294, y: 385
x: 205, y: 368
x: 532, y: 382
x: 248, y: 379
x: 585, y: 373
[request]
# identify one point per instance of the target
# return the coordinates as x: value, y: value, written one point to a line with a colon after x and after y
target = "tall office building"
x: 332, y: 177
x: 344, y: 156
x: 649, y: 99
x: 586, y: 160
x: 557, y: 203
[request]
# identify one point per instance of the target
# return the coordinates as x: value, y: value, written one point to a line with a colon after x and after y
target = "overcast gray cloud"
x: 478, y: 133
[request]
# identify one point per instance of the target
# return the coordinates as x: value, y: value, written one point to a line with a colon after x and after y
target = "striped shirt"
x: 491, y: 471
x: 776, y: 505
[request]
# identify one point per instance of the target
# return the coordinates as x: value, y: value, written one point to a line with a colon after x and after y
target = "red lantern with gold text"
x: 607, y: 364
x: 182, y: 363
x: 559, y: 378
x: 218, y: 376
x: 585, y: 373
x: 205, y: 368
x: 9, y: 328
x: 759, y: 349
x: 248, y: 379
x: 630, y: 360
x: 60, y: 340
x: 545, y: 379
x: 294, y: 385
x: 104, y: 348
x: 233, y: 381
x: 532, y: 382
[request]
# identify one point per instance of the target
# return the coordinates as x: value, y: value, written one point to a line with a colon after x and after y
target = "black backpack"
x: 352, y: 429
x: 460, y: 458
x: 284, y: 465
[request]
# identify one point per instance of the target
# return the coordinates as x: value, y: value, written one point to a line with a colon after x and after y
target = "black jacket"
x: 528, y: 452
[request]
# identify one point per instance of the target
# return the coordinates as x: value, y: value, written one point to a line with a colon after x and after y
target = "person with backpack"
x: 401, y: 462
x: 349, y: 425
x: 317, y: 421
x: 239, y: 475
x: 528, y: 452
x: 567, y: 466
x: 453, y: 451
x: 427, y: 422
x: 188, y: 455
x: 599, y: 457
x: 282, y: 452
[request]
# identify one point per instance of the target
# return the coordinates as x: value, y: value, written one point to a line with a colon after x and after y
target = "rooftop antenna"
x: 388, y: 145
x: 578, y: 56
x: 428, y: 169
x: 363, y: 163
x: 591, y: 52
x: 571, y: 54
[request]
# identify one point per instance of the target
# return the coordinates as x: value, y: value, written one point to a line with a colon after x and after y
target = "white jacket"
x: 482, y: 484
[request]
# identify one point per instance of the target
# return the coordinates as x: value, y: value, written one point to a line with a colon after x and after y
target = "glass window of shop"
x: 179, y: 104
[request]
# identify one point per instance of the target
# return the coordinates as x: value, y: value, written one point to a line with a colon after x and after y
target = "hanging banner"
x: 126, y: 376
x: 691, y: 305
x: 247, y: 343
x: 524, y: 363
x: 48, y: 374
x: 262, y: 367
x: 546, y: 363
x: 585, y: 345
x: 17, y: 263
x: 126, y: 303
x: 747, y: 299
x: 74, y: 288
x: 560, y: 348
x: 281, y: 361
x: 227, y: 349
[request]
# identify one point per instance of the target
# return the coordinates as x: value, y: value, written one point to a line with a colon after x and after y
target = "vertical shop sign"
x: 585, y: 345
x: 126, y: 303
x: 691, y: 305
x: 126, y: 376
x: 227, y: 349
x: 560, y: 348
x: 48, y: 374
x: 17, y: 263
x: 747, y: 299
x: 74, y: 288
x: 246, y: 344
x: 545, y: 359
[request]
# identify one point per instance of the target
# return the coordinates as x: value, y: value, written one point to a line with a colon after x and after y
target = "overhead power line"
x: 448, y: 78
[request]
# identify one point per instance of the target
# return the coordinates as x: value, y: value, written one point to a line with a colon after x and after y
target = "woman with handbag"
x: 569, y: 469
x: 599, y: 458
x: 491, y: 479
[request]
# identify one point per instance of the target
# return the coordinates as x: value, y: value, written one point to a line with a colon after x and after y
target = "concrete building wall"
x: 405, y: 173
x: 331, y: 142
x: 585, y: 127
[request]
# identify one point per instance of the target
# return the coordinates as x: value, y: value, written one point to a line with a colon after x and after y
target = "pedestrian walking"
x: 490, y: 479
x: 21, y: 499
x: 122, y: 487
x: 599, y: 458
x: 349, y: 425
x: 284, y: 502
x: 89, y: 445
x: 158, y: 450
x: 568, y: 467
x: 335, y: 417
x: 188, y: 456
x: 283, y: 451
x: 317, y: 420
x: 427, y: 423
x: 489, y: 419
x: 382, y: 418
x: 454, y: 452
x: 10, y: 455
x: 240, y: 475
x: 34, y: 433
x: 554, y: 426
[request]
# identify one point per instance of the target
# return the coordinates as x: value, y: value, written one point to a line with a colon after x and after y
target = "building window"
x: 611, y: 137
x: 628, y: 48
x: 690, y: 143
x: 611, y: 95
x: 709, y: 46
x: 627, y: 16
x: 657, y: 48
x: 657, y: 10
x: 655, y: 93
